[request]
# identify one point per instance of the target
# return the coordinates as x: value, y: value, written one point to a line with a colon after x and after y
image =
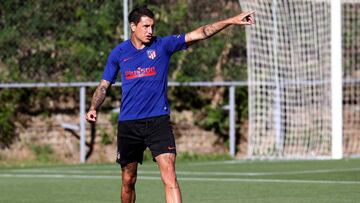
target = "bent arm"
x: 207, y: 31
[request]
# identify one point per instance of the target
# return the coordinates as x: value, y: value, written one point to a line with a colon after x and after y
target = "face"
x: 143, y: 31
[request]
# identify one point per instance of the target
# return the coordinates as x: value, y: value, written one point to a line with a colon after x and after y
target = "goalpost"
x: 336, y: 80
x: 295, y: 74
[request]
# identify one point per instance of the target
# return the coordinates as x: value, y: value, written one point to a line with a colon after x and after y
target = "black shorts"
x: 135, y: 136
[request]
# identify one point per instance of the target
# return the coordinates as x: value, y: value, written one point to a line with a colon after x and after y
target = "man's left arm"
x: 207, y: 31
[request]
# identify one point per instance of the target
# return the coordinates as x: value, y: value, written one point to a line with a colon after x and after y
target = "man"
x: 143, y: 62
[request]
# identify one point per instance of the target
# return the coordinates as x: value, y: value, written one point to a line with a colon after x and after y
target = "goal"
x: 301, y: 86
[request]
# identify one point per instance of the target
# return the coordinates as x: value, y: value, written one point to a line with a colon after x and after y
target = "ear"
x: 132, y: 26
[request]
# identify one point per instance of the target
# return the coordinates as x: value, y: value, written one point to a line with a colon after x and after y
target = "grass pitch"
x: 201, y: 182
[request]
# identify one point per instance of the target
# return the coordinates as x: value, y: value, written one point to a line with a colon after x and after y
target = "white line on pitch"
x: 191, y: 172
x: 181, y: 179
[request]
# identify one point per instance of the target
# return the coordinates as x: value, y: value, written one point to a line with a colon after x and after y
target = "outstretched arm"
x: 97, y: 100
x: 209, y: 30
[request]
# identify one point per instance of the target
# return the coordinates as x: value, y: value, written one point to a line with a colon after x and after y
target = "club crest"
x: 151, y: 54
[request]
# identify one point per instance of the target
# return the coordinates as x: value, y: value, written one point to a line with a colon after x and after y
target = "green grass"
x: 200, y: 181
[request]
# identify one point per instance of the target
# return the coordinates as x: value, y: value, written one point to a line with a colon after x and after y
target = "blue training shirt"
x: 144, y: 75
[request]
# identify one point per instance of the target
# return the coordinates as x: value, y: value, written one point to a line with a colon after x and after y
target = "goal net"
x: 351, y: 75
x: 289, y: 68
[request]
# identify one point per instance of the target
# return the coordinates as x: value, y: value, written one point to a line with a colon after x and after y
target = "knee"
x: 169, y: 178
x: 129, y: 180
x: 166, y: 164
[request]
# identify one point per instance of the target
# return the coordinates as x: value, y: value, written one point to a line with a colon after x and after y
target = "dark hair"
x: 138, y: 12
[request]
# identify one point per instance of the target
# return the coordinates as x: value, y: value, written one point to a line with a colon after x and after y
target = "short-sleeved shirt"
x: 144, y: 76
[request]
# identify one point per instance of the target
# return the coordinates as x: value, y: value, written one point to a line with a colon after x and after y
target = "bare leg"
x: 129, y: 174
x: 166, y: 163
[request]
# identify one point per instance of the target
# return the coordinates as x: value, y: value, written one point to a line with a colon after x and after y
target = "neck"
x: 137, y: 43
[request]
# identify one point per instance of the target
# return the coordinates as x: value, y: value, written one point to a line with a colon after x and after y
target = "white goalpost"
x: 295, y: 69
x: 336, y: 80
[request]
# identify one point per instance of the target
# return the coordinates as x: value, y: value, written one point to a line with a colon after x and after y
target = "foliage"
x: 57, y: 40
x: 216, y: 119
x: 7, y: 116
x: 69, y: 41
x: 192, y: 100
x: 106, y: 139
x: 186, y: 156
x: 33, y: 102
x: 114, y: 118
x: 7, y: 128
x: 241, y: 103
x: 43, y: 153
x: 189, y: 157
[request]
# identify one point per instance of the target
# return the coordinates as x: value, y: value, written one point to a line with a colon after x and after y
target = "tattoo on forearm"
x: 204, y: 32
x: 210, y: 30
x: 99, y: 96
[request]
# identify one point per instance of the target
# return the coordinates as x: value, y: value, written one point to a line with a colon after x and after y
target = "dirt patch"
x: 48, y: 130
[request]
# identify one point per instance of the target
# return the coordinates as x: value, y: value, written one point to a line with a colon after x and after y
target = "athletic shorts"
x: 135, y: 136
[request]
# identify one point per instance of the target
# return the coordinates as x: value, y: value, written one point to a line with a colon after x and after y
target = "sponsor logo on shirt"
x: 140, y: 72
x: 151, y: 54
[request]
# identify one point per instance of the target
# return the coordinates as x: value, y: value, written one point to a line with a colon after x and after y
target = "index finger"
x: 249, y: 13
